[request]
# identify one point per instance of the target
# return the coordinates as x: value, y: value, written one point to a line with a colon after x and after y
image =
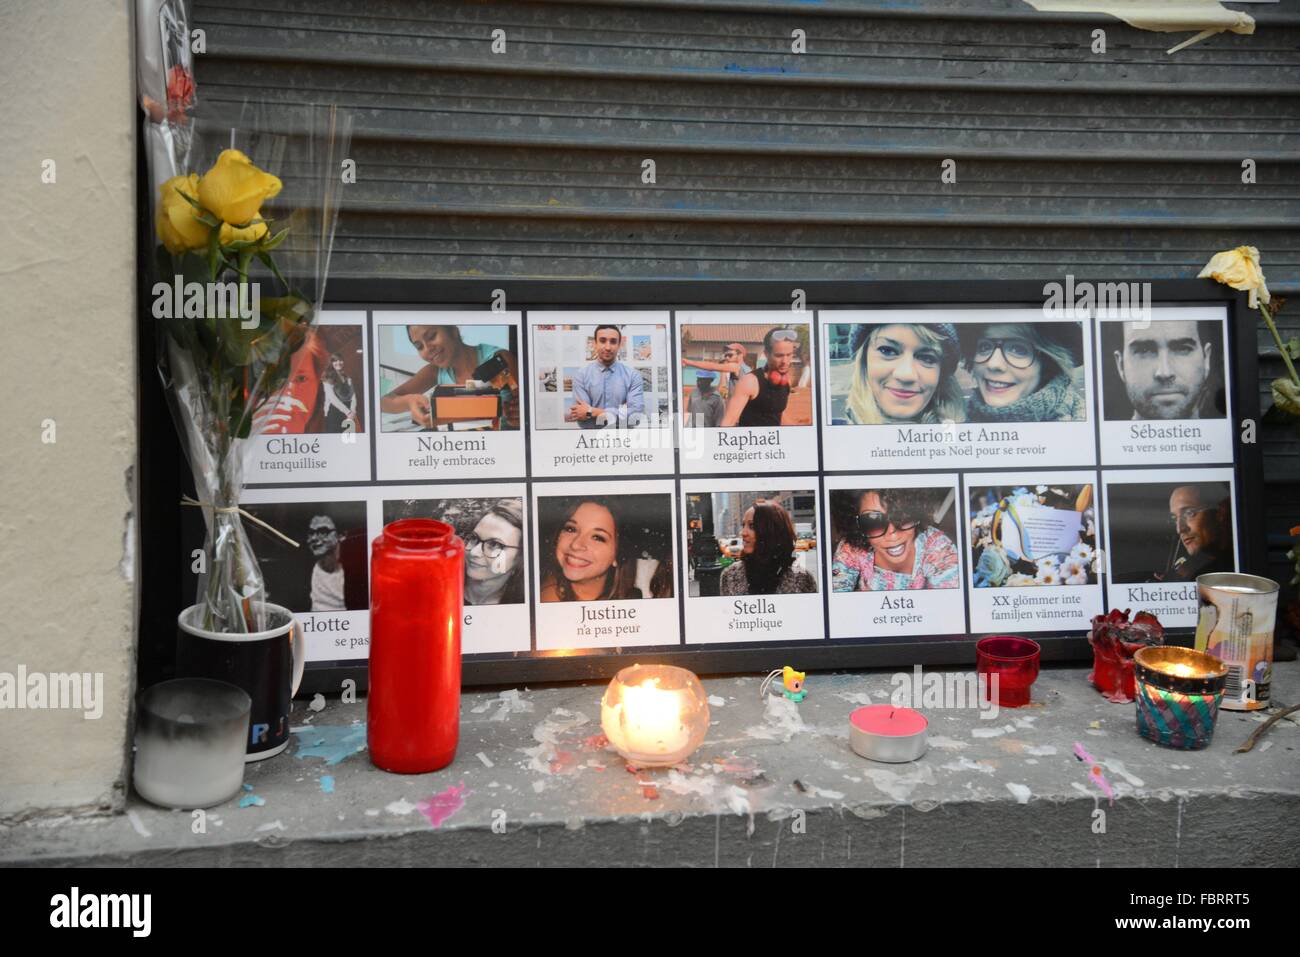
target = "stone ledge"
x: 774, y: 784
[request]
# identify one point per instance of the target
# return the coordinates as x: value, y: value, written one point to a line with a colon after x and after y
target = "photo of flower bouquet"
x: 1033, y: 534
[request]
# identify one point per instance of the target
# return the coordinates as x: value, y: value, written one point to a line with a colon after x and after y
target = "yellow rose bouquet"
x: 241, y: 260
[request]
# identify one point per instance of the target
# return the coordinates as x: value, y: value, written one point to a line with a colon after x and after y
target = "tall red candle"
x: 416, y: 594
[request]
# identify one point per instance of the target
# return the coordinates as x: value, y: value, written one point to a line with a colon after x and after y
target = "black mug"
x: 268, y: 665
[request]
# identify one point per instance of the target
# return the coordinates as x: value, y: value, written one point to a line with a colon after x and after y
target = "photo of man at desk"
x: 607, y: 392
x: 448, y: 378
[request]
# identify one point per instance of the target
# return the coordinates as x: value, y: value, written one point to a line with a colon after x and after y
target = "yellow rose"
x: 234, y: 189
x: 178, y: 224
x: 247, y: 234
x: 1240, y: 269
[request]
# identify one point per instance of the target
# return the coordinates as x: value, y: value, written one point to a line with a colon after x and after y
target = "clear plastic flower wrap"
x: 245, y: 206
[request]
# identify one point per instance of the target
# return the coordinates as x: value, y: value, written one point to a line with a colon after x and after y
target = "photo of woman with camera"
x: 605, y: 548
x: 1023, y: 372
x: 767, y: 564
x: 904, y: 373
x: 891, y: 540
x: 450, y: 361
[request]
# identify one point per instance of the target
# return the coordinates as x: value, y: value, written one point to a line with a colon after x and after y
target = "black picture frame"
x: 676, y: 295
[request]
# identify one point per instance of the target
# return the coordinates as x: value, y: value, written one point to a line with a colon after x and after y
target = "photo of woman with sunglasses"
x: 903, y: 373
x: 768, y: 563
x: 605, y: 548
x: 1025, y: 372
x: 894, y: 539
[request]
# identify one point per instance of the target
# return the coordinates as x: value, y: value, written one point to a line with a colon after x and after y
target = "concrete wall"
x: 67, y: 285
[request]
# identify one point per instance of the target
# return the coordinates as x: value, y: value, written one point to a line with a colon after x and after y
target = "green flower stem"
x: 229, y: 573
x: 1286, y: 356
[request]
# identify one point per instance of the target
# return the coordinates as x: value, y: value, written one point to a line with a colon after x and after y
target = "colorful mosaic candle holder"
x: 1178, y: 695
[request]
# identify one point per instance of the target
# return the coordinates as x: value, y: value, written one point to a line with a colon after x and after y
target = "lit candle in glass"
x: 1178, y: 695
x: 654, y: 715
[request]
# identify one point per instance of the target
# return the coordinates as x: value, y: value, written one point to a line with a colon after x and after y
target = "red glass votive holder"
x: 417, y: 569
x: 1014, y: 660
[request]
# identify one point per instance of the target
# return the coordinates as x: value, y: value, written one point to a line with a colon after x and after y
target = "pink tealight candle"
x: 882, y: 732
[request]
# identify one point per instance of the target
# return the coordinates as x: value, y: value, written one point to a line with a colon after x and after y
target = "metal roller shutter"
x: 772, y: 164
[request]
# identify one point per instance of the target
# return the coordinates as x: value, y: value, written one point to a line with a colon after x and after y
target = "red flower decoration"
x: 180, y: 92
x: 1115, y: 640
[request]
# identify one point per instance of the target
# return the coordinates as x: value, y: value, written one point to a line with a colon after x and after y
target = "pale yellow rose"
x: 1240, y: 269
x: 179, y: 228
x: 247, y: 234
x: 234, y: 189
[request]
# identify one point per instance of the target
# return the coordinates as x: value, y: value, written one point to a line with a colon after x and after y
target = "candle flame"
x: 648, y: 719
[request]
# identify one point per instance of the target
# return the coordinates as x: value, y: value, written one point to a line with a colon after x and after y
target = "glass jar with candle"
x: 416, y: 597
x: 655, y: 715
x: 1178, y: 695
x: 1010, y: 663
x: 190, y: 735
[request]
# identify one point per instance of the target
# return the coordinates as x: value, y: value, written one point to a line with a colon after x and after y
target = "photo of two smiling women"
x: 895, y: 373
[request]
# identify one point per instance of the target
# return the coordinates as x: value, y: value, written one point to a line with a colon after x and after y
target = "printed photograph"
x: 328, y: 571
x: 751, y: 543
x: 1165, y: 369
x: 890, y: 374
x: 448, y: 378
x: 325, y: 391
x: 746, y: 375
x: 606, y: 376
x: 1169, y: 531
x: 605, y: 547
x: 493, y: 532
x: 894, y: 539
x: 1033, y: 534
